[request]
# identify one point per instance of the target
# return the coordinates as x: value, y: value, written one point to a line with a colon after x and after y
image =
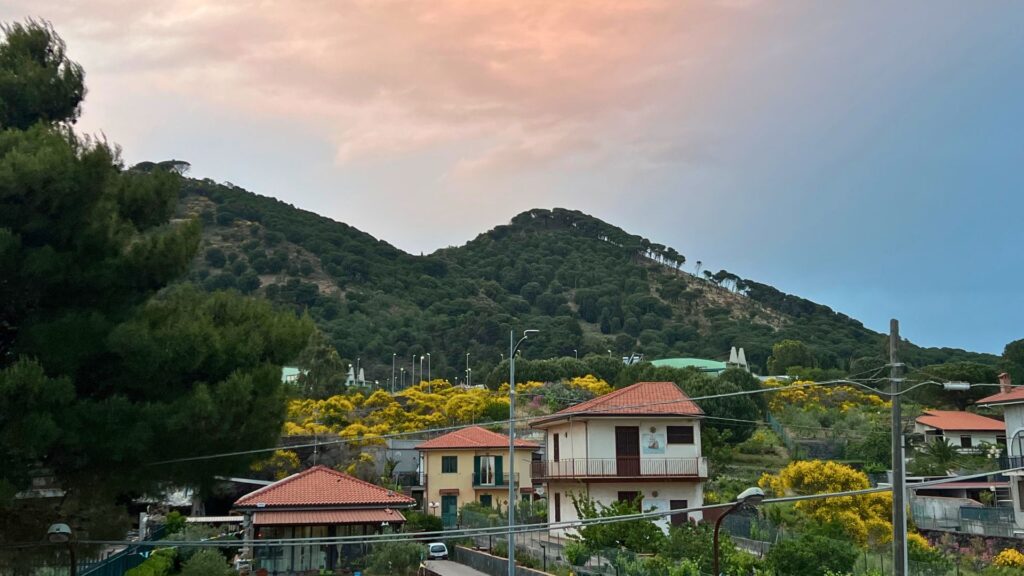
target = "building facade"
x: 641, y: 443
x: 1011, y: 400
x: 964, y: 430
x: 471, y: 465
x: 315, y: 503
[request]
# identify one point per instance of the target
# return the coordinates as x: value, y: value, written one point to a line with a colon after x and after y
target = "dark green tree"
x: 38, y: 82
x: 640, y: 536
x: 789, y: 353
x: 103, y: 368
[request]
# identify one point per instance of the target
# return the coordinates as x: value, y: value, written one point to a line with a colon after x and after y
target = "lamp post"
x: 428, y: 369
x: 576, y: 353
x: 394, y: 356
x: 433, y: 508
x: 749, y: 497
x: 421, y: 369
x: 468, y: 381
x: 403, y: 378
x: 513, y: 348
x: 357, y: 372
x: 60, y: 533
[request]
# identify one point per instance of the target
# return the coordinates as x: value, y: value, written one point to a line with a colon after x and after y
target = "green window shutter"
x: 498, y: 470
x: 476, y: 469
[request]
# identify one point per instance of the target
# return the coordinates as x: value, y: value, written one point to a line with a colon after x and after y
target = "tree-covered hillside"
x: 590, y: 288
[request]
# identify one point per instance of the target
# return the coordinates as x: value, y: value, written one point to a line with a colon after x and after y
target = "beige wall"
x: 656, y: 495
x: 463, y: 479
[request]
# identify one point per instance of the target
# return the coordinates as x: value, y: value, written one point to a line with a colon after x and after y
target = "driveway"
x: 449, y: 568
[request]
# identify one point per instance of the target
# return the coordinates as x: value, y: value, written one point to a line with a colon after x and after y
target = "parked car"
x: 437, y: 551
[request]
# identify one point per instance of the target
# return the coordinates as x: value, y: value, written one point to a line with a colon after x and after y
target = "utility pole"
x: 899, y: 483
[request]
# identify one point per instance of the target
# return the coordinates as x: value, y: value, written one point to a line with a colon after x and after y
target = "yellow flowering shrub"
x: 1010, y: 558
x: 805, y: 396
x: 865, y: 517
x: 921, y: 541
x: 591, y: 384
x: 283, y: 463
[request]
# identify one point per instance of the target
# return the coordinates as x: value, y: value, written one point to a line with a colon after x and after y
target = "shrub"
x: 174, y: 523
x: 811, y: 555
x: 208, y: 562
x: 576, y: 553
x: 159, y: 563
x: 419, y: 522
x: 1009, y: 558
x: 395, y: 558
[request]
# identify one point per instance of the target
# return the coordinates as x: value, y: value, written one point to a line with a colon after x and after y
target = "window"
x: 449, y: 464
x: 486, y: 500
x: 486, y: 474
x: 630, y: 497
x: 680, y: 434
x: 558, y: 507
x: 682, y: 517
x: 965, y: 442
x: 1001, y: 441
x: 1020, y: 494
x: 554, y: 445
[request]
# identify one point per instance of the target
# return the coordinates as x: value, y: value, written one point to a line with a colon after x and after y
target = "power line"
x: 536, y: 527
x: 499, y: 422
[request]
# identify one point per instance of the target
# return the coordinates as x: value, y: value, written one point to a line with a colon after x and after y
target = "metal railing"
x: 621, y: 468
x: 489, y: 480
x: 410, y: 479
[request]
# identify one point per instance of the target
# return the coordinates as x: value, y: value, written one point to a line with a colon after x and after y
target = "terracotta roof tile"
x: 308, y: 517
x: 1016, y: 394
x: 952, y: 420
x: 472, y: 437
x: 640, y: 399
x: 322, y: 486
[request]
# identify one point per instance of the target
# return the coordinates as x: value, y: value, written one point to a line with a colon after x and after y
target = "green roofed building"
x: 713, y: 367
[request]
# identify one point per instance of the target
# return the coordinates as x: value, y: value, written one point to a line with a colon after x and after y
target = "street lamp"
x: 468, y: 381
x: 421, y: 370
x: 576, y: 353
x: 513, y: 348
x: 60, y: 533
x: 403, y: 378
x: 394, y: 356
x: 433, y: 508
x: 428, y: 370
x: 749, y: 497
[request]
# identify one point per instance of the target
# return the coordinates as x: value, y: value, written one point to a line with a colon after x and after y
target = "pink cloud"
x: 521, y: 83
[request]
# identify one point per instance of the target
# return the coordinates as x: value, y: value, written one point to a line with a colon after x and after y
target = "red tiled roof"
x: 951, y: 420
x: 313, y: 517
x: 321, y: 486
x: 1016, y: 394
x: 472, y: 437
x: 641, y: 399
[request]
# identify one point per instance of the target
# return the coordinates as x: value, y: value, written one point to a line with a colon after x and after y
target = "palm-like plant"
x: 941, y: 454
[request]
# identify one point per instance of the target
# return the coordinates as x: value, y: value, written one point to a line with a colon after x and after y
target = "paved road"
x: 449, y: 568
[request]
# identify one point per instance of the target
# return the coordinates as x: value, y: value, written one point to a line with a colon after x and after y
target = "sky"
x: 863, y: 155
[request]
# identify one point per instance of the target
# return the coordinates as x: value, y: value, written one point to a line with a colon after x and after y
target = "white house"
x: 642, y: 441
x: 1011, y: 399
x: 964, y: 430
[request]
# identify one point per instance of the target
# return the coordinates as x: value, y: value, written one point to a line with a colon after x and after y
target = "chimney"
x: 1005, y: 384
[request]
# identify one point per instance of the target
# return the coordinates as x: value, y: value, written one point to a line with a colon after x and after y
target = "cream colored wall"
x: 463, y: 479
x: 608, y: 493
x: 595, y: 438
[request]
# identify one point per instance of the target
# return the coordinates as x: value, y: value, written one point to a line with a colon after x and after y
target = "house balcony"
x: 491, y: 481
x: 1007, y: 462
x: 612, y: 469
x: 411, y: 480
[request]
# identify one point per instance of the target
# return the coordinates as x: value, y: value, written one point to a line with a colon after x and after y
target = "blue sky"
x: 866, y: 158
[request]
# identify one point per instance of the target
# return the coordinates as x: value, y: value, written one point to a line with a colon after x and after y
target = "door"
x: 627, y: 450
x: 449, y: 510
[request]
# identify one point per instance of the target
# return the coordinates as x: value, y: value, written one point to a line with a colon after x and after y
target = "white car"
x: 437, y: 551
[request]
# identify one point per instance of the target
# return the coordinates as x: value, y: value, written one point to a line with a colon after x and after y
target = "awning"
x: 319, y: 517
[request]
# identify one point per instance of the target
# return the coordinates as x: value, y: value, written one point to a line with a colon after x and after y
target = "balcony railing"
x: 410, y: 479
x: 487, y: 481
x: 622, y: 468
x: 1007, y: 462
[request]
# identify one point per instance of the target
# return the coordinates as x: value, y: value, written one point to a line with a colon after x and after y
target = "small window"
x: 1001, y: 441
x: 965, y: 442
x: 630, y: 497
x: 486, y: 500
x: 680, y: 434
x: 558, y: 507
x: 682, y: 517
x: 449, y: 464
x: 554, y: 446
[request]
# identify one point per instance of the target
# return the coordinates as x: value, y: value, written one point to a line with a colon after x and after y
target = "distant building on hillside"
x: 964, y: 430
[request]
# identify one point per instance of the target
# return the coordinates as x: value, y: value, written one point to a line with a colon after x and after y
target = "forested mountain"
x: 587, y: 285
